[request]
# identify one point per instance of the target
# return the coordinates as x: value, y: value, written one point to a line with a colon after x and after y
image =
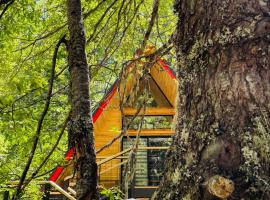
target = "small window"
x: 148, y: 92
x: 150, y: 122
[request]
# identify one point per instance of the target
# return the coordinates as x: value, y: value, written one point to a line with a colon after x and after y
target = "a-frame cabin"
x: 160, y: 86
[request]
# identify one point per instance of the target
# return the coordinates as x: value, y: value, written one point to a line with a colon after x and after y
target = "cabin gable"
x: 162, y: 88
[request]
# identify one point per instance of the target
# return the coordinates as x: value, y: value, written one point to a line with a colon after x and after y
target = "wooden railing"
x: 113, y: 156
x: 59, y: 189
x: 152, y: 132
x: 128, y: 150
x: 55, y: 186
x: 99, y: 163
x: 123, y: 159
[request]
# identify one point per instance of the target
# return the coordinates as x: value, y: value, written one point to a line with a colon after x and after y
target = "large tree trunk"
x: 81, y: 129
x: 221, y: 148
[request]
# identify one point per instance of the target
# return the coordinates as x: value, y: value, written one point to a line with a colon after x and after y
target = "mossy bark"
x: 81, y: 127
x: 223, y: 122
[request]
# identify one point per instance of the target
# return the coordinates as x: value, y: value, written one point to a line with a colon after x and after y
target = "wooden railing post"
x: 133, y: 182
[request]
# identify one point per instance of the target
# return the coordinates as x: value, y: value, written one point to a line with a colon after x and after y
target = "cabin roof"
x: 99, y: 110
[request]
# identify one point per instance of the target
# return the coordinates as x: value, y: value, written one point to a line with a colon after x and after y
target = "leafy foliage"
x: 29, y: 30
x: 113, y: 193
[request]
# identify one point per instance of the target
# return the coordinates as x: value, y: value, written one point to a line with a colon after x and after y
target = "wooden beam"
x: 114, y: 166
x: 127, y: 150
x: 72, y: 191
x: 58, y: 188
x: 113, y: 156
x: 151, y: 111
x: 152, y: 132
x: 154, y: 148
x: 146, y: 187
x: 119, y: 157
x: 159, y: 96
x: 124, y: 162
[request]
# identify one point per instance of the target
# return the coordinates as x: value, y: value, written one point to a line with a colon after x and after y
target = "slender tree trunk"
x: 81, y: 129
x: 222, y: 145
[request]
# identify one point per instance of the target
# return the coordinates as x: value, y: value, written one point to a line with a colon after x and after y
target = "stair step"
x: 55, y: 193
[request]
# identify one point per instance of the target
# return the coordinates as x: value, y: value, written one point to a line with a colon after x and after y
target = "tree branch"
x: 100, y: 20
x: 151, y: 23
x: 40, y: 122
x: 50, y: 153
x: 8, y: 3
x: 87, y: 14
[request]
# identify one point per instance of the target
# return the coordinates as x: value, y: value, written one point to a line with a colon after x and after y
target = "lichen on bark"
x: 81, y: 135
x: 223, y: 119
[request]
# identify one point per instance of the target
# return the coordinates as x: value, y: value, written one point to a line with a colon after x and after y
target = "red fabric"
x: 167, y: 68
x: 56, y: 173
x: 70, y: 153
x: 104, y: 104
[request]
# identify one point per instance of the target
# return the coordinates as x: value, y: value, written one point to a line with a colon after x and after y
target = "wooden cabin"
x: 155, y: 89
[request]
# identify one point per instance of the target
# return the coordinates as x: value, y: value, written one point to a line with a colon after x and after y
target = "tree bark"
x: 81, y: 128
x: 221, y: 147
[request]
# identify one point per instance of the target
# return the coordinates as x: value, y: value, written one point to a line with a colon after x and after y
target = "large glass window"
x: 141, y: 165
x: 156, y: 159
x: 150, y: 163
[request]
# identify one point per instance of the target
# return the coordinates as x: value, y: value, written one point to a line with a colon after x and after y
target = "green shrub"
x: 113, y: 193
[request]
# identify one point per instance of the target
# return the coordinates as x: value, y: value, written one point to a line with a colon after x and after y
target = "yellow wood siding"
x: 150, y: 111
x: 109, y: 124
x: 167, y: 84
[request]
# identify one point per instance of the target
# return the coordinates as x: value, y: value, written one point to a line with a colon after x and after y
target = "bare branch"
x: 100, y: 20
x: 40, y: 122
x: 85, y: 15
x: 34, y: 102
x: 8, y: 3
x: 151, y: 23
x: 108, y: 55
x: 43, y: 36
x: 61, y: 71
x: 50, y: 153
